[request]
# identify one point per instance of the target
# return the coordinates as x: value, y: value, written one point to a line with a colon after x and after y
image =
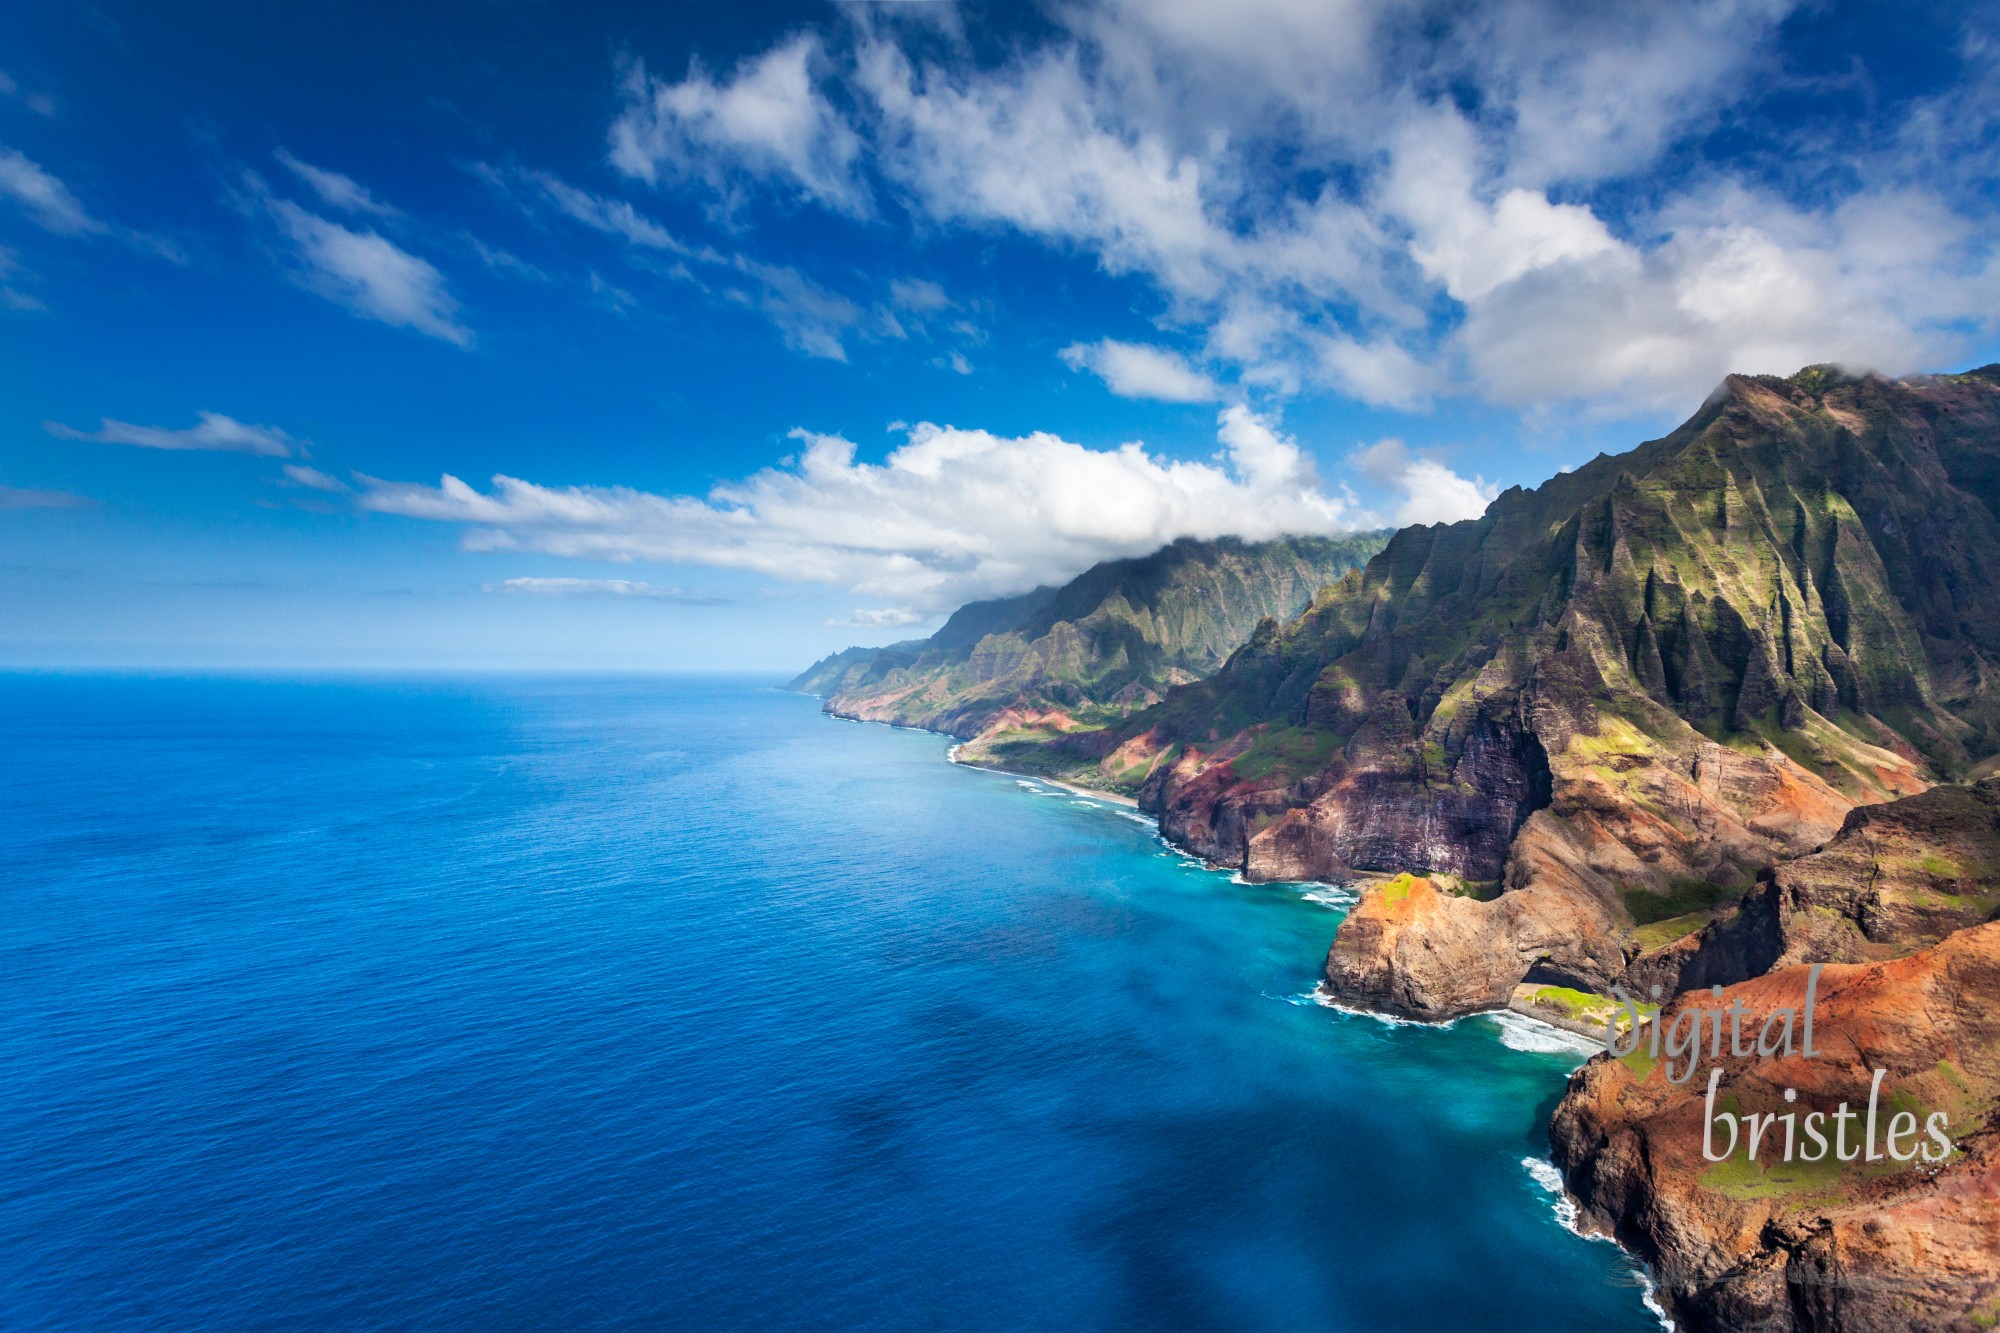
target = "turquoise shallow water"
x: 532, y: 1002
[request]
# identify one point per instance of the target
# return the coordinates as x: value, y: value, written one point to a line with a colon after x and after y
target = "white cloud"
x: 1382, y: 372
x: 1469, y: 245
x: 610, y: 296
x: 10, y: 296
x: 1265, y: 459
x: 47, y: 200
x: 1050, y: 148
x: 614, y: 217
x: 368, y: 274
x: 503, y: 261
x: 335, y: 190
x: 1741, y: 283
x: 212, y: 431
x: 882, y: 618
x: 1392, y: 200
x: 919, y: 294
x: 1028, y: 148
x: 56, y: 209
x: 561, y: 587
x: 949, y: 516
x: 1598, y: 91
x: 311, y: 478
x: 769, y: 117
x: 809, y: 317
x: 1431, y: 492
x: 1132, y: 370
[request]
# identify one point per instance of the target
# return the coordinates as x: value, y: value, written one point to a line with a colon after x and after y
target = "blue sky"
x: 523, y: 334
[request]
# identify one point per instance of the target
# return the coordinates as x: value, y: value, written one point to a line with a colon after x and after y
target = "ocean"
x: 589, y: 1002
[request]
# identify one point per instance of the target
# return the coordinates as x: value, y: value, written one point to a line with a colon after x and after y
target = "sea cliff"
x: 1006, y: 674
x: 1686, y: 719
x: 1691, y: 716
x: 1863, y: 1245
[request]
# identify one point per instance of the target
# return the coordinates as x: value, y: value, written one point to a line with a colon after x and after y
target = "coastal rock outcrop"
x: 1680, y: 722
x: 1783, y: 1242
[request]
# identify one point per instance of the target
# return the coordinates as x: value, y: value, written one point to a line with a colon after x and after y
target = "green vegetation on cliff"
x: 1803, y: 574
x: 1113, y: 640
x: 1799, y: 545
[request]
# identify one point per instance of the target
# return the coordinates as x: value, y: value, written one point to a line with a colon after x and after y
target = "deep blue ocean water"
x: 666, y: 1002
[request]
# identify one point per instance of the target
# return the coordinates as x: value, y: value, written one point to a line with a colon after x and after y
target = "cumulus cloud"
x: 562, y: 587
x: 1133, y: 370
x: 768, y: 117
x: 1393, y: 201
x: 1747, y: 285
x: 212, y: 432
x: 1431, y: 492
x: 1081, y: 143
x: 949, y: 516
x: 1382, y: 371
x: 1469, y: 245
x: 335, y: 190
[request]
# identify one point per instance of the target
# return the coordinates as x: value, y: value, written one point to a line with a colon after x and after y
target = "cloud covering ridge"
x: 949, y: 516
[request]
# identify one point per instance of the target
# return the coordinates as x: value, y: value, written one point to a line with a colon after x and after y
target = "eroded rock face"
x: 1424, y: 954
x: 1383, y: 815
x: 1861, y: 1246
x: 1642, y: 684
x: 1564, y: 915
x: 1897, y: 878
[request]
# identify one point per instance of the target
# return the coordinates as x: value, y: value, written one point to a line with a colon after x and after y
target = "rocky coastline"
x: 1669, y: 729
x: 1688, y: 717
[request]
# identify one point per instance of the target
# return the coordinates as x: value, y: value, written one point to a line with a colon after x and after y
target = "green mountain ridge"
x: 1112, y: 640
x: 1613, y: 700
x: 1694, y: 715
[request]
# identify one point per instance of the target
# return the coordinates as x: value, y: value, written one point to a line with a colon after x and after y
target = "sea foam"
x: 1543, y: 1172
x: 1518, y: 1032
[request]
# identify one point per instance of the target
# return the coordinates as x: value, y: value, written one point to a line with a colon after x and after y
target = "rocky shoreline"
x: 1676, y: 721
x: 1737, y: 1248
x: 1798, y: 1241
x: 1667, y: 726
x: 1733, y: 1244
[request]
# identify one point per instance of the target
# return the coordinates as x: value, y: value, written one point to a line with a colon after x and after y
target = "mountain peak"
x: 1661, y: 670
